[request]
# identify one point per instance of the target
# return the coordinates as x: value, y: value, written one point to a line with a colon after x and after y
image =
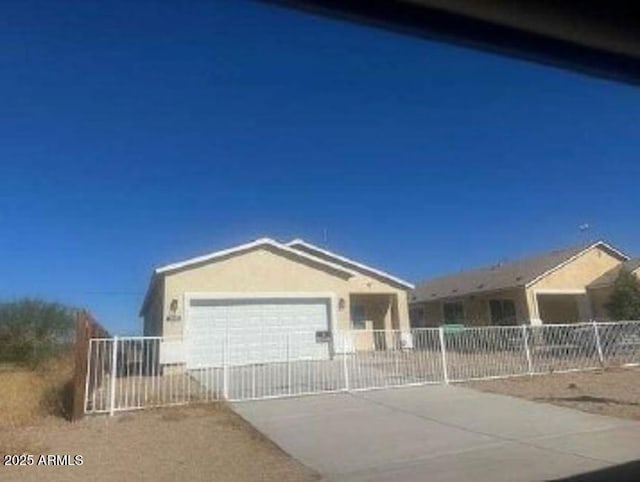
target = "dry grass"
x: 613, y: 391
x: 196, y: 443
x: 30, y: 395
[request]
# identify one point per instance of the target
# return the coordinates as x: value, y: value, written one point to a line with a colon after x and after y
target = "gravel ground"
x: 614, y: 392
x: 197, y: 443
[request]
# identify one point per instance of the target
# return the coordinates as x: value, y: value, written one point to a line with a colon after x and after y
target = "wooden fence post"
x: 86, y: 328
x: 80, y: 369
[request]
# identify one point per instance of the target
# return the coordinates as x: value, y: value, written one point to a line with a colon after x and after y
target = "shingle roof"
x: 610, y: 276
x: 500, y: 276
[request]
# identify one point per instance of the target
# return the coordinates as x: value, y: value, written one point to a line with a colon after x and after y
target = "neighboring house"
x: 253, y: 293
x: 554, y: 287
x: 600, y: 289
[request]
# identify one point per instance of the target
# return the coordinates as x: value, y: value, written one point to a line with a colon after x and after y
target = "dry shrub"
x: 29, y: 395
x: 57, y: 397
x: 19, y: 397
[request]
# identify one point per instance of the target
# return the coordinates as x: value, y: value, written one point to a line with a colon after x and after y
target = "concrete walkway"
x: 441, y: 433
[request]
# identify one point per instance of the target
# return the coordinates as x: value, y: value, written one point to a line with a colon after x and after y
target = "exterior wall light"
x: 173, y: 311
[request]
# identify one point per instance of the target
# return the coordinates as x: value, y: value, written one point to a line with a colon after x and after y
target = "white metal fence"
x: 140, y: 372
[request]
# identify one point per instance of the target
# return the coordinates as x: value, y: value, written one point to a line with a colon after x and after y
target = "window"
x: 503, y: 312
x: 453, y: 312
x: 358, y: 320
x: 416, y: 317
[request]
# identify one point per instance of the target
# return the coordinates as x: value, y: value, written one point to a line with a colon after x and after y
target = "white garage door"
x: 257, y: 330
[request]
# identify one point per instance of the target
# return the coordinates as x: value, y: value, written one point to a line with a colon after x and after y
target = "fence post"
x: 443, y: 352
x: 289, y: 362
x: 81, y: 372
x: 598, y: 344
x: 345, y: 366
x: 114, y: 376
x: 90, y: 361
x: 525, y: 338
x: 396, y: 347
x: 225, y: 365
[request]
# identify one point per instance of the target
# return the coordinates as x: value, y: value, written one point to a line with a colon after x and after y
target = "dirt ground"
x: 196, y: 443
x: 613, y: 391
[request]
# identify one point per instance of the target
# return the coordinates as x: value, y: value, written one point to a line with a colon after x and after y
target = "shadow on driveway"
x: 629, y: 472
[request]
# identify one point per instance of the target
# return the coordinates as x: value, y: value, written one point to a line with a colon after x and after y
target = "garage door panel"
x: 258, y: 330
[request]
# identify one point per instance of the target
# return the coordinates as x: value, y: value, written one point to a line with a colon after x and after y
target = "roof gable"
x: 302, y: 246
x: 236, y: 250
x: 522, y: 272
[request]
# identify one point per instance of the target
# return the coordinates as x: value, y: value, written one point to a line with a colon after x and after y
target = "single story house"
x: 555, y: 287
x: 253, y: 294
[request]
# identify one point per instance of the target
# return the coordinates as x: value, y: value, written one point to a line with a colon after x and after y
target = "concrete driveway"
x: 441, y: 433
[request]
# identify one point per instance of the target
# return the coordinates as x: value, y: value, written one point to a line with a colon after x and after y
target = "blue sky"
x: 134, y: 134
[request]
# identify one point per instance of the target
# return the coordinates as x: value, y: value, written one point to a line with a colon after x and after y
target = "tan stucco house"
x: 254, y: 292
x: 555, y: 287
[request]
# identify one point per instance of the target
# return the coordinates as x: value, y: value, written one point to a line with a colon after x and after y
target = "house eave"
x: 267, y: 242
x: 454, y: 296
x: 342, y: 259
x: 561, y: 265
x: 147, y: 297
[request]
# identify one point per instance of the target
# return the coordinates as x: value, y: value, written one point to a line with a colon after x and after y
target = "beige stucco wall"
x: 478, y: 311
x: 266, y: 271
x: 580, y: 272
x: 381, y: 313
x: 377, y: 309
x: 476, y: 307
x: 599, y: 297
x: 576, y: 275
